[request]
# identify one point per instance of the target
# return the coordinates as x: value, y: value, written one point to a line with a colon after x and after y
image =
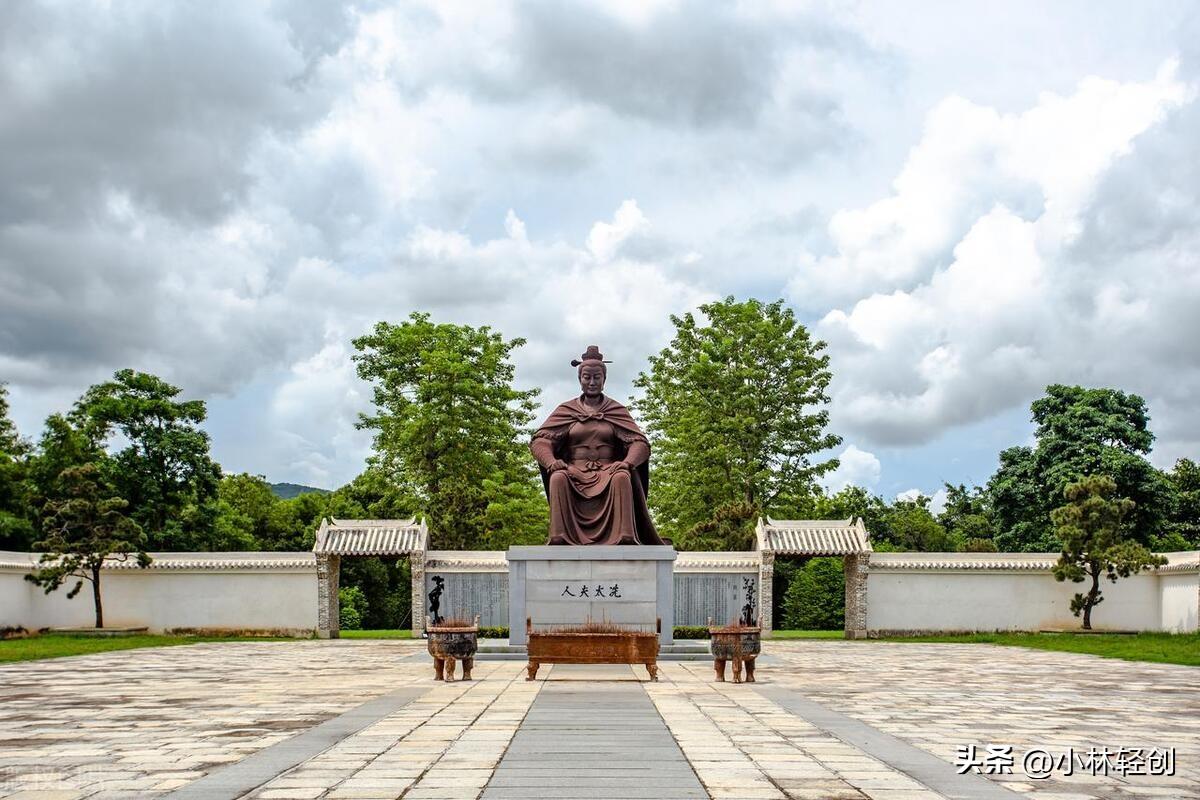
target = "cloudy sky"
x: 967, y: 201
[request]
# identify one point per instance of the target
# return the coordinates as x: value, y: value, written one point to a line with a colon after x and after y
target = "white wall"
x: 15, y: 597
x: 1017, y: 591
x: 1180, y: 603
x: 225, y: 591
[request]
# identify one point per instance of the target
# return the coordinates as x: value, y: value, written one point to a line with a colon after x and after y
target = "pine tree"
x: 1090, y: 526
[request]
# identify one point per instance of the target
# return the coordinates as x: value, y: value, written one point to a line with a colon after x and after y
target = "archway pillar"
x: 856, y: 567
x: 417, y: 563
x: 766, y: 593
x: 328, y: 609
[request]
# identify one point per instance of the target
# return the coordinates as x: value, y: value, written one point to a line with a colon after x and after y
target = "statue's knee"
x: 558, y: 480
x: 621, y: 479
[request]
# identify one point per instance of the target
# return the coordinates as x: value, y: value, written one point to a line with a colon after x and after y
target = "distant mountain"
x: 286, y: 491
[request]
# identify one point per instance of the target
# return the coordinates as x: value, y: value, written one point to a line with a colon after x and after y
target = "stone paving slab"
x: 938, y: 697
x: 143, y: 723
x: 445, y: 744
x: 923, y: 767
x: 236, y: 780
x: 582, y: 736
x: 140, y: 723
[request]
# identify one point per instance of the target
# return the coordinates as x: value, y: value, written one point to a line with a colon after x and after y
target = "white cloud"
x: 228, y: 197
x: 1043, y: 163
x: 855, y: 468
x: 606, y: 238
x: 579, y: 298
x: 937, y: 500
x: 1011, y: 306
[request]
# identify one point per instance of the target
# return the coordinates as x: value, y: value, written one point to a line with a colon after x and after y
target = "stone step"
x: 680, y: 646
x: 681, y: 650
x: 520, y: 656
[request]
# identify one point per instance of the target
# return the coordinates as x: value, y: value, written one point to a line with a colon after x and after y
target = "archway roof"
x: 371, y: 537
x: 813, y: 537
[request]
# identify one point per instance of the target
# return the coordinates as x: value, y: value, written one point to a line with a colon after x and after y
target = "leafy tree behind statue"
x: 448, y: 418
x: 735, y: 410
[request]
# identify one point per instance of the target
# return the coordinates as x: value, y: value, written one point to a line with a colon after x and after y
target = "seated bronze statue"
x: 594, y: 461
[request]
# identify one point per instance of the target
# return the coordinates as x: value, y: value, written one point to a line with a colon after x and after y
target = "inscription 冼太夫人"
x: 584, y: 590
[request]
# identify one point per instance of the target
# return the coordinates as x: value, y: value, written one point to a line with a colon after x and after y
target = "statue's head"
x: 592, y: 371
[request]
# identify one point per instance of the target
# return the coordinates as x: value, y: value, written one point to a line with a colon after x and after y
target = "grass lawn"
x: 381, y: 634
x: 1165, y: 648
x: 808, y: 635
x: 57, y: 645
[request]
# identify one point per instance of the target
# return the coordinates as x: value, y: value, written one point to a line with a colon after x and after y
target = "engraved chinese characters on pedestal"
x: 614, y: 591
x: 594, y: 461
x: 555, y: 586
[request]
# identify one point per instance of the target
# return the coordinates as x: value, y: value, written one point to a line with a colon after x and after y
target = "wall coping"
x: 686, y: 561
x: 466, y: 560
x: 722, y: 561
x: 1177, y: 563
x: 174, y: 562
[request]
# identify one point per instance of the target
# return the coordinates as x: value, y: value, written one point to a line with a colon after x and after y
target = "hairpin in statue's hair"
x: 591, y: 354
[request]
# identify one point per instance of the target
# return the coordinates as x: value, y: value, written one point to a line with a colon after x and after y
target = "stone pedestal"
x: 558, y: 586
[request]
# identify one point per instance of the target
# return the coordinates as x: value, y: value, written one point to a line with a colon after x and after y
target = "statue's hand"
x: 622, y: 466
x: 556, y: 465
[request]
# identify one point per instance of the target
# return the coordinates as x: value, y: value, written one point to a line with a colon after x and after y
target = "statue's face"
x: 591, y: 380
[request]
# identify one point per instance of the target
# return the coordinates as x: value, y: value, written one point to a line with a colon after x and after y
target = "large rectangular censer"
x: 629, y: 585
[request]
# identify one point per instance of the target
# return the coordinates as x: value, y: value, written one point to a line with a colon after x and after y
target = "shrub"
x: 493, y: 632
x: 816, y: 597
x: 353, y: 607
x: 691, y: 632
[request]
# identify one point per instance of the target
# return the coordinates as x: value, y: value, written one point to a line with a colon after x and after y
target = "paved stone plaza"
x: 362, y: 719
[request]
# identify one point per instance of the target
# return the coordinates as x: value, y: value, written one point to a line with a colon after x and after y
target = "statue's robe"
x: 591, y: 502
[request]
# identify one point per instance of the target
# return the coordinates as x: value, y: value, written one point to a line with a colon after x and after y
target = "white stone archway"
x: 817, y: 537
x: 364, y: 537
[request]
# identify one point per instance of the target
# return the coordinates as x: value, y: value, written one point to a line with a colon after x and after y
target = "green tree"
x: 849, y: 502
x: 61, y: 447
x: 352, y: 608
x: 734, y: 408
x: 292, y: 524
x: 1183, y: 528
x: 1090, y: 527
x: 448, y: 418
x: 910, y: 526
x: 515, y: 515
x: 10, y: 440
x: 966, y: 517
x: 232, y: 530
x: 16, y: 510
x: 1019, y: 496
x: 816, y: 596
x: 85, y: 526
x: 379, y: 493
x: 164, y: 471
x: 250, y: 496
x: 1079, y: 432
x: 386, y: 588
